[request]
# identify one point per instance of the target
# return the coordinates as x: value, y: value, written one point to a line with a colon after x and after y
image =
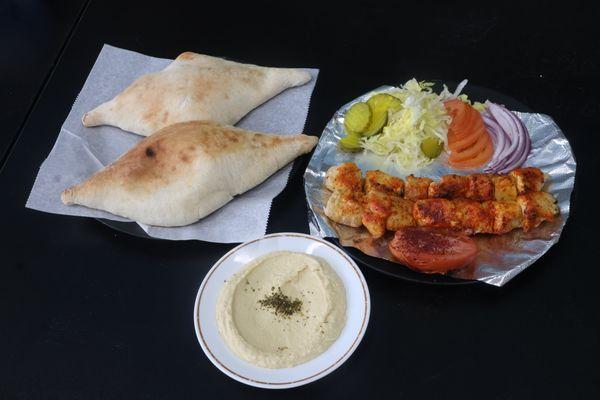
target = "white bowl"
x: 357, y: 312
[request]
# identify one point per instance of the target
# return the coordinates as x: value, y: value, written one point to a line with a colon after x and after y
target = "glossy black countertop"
x: 88, y: 312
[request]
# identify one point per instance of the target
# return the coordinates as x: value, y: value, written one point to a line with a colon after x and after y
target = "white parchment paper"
x: 80, y: 151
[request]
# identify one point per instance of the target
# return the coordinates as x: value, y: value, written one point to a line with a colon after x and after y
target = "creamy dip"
x: 282, y: 309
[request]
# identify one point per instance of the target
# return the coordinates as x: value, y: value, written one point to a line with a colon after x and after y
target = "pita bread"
x: 193, y: 87
x: 186, y: 171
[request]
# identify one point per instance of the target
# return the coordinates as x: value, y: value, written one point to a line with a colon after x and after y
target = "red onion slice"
x: 498, y: 136
x: 505, y: 122
x: 520, y: 140
x: 511, y: 138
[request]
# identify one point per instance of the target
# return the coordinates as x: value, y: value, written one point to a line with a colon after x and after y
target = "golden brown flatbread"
x: 186, y: 171
x: 193, y: 87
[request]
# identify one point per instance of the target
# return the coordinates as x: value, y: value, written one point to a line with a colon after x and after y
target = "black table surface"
x: 87, y: 312
x: 32, y: 37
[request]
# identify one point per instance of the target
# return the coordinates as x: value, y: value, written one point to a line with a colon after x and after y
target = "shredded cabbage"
x: 422, y: 116
x: 445, y: 94
x: 479, y: 106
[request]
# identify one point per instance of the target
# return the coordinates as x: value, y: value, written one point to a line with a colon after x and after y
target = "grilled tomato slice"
x: 432, y: 250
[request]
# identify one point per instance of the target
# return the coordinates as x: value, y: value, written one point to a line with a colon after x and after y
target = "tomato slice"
x: 459, y: 112
x: 480, y: 159
x: 469, y: 143
x: 467, y: 126
x: 458, y: 146
x: 466, y: 122
x: 470, y: 151
x: 432, y: 250
x: 455, y: 108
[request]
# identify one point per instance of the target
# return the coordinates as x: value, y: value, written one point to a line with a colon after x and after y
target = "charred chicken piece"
x: 345, y: 208
x: 504, y: 188
x: 416, y: 188
x: 506, y: 215
x: 537, y: 207
x: 528, y: 179
x: 378, y: 207
x: 436, y: 213
x: 401, y: 214
x: 473, y: 217
x: 480, y: 187
x: 449, y: 187
x: 379, y: 181
x: 344, y: 177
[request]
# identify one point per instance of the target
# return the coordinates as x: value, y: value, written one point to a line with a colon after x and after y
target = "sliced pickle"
x: 357, y: 118
x: 384, y: 101
x: 380, y: 104
x: 378, y: 121
x: 432, y: 147
x: 351, y: 142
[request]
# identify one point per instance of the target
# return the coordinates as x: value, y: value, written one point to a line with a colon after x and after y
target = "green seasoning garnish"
x: 280, y: 304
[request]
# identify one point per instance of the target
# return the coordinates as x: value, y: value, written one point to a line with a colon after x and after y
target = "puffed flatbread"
x: 186, y: 171
x: 193, y: 87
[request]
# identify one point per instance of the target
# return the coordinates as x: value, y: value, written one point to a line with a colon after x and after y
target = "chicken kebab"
x: 471, y: 204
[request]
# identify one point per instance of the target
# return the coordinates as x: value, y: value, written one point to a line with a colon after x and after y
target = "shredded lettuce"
x: 479, y: 106
x: 445, y: 94
x: 422, y: 116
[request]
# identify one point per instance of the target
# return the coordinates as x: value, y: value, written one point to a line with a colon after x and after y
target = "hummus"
x: 282, y: 309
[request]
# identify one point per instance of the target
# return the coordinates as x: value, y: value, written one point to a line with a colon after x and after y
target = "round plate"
x: 357, y: 312
x: 475, y: 93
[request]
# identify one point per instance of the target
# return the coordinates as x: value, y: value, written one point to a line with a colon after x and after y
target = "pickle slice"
x: 384, y: 101
x: 432, y: 147
x: 378, y: 121
x: 357, y: 118
x: 350, y: 142
x: 380, y: 104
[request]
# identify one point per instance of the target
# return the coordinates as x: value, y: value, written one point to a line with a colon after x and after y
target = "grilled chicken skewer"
x: 528, y: 211
x: 477, y: 203
x: 484, y: 187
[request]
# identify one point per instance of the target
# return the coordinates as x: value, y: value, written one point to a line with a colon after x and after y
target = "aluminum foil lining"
x: 501, y: 257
